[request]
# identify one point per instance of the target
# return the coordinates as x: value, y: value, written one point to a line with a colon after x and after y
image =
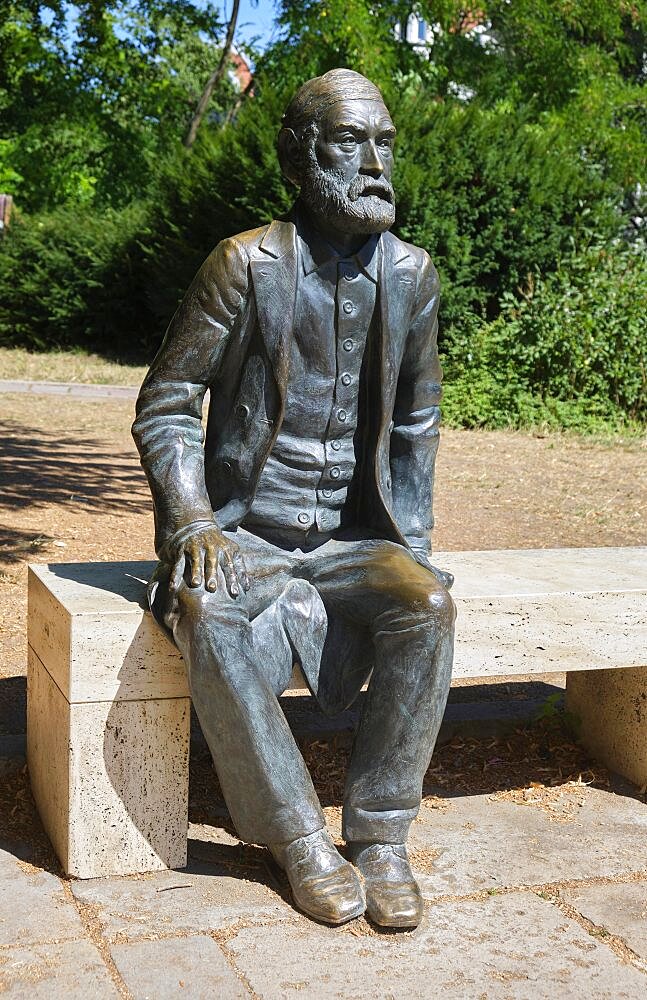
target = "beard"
x: 362, y: 208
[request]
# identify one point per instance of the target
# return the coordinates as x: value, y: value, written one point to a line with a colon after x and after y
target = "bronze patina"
x: 298, y: 528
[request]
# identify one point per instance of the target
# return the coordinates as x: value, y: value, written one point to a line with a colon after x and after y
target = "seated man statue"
x: 297, y: 529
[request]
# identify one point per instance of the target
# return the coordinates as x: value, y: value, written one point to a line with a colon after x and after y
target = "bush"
x: 69, y: 279
x: 495, y: 194
x: 570, y: 353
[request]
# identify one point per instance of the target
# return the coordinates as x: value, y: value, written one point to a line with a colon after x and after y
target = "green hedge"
x: 572, y: 353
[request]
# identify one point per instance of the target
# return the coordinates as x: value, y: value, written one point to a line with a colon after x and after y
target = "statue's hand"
x: 442, y: 575
x: 202, y: 552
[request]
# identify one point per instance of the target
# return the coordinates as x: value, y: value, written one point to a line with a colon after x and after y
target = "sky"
x: 253, y: 21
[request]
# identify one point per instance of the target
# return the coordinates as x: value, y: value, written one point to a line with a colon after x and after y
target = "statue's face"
x: 347, y: 177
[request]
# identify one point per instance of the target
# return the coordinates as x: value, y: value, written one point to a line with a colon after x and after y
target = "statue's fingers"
x: 195, y: 552
x: 241, y: 571
x: 211, y: 568
x: 177, y: 574
x: 229, y: 571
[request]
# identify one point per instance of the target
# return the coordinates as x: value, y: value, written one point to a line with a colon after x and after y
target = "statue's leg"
x: 264, y: 779
x: 409, y: 616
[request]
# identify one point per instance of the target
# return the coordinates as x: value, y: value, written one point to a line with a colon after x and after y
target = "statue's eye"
x: 347, y: 139
x: 385, y: 142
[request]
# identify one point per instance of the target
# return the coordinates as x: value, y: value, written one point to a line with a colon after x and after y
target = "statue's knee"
x: 440, y: 607
x: 198, y: 609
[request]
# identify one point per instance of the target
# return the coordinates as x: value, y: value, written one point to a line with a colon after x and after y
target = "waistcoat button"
x: 303, y: 518
x: 348, y: 345
x: 346, y: 379
x: 341, y: 416
x: 335, y: 472
x: 348, y: 307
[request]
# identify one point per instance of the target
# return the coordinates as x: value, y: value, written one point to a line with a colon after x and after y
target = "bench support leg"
x: 611, y: 706
x: 110, y: 779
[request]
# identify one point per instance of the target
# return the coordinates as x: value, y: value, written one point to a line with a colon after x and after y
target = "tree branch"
x: 213, y: 80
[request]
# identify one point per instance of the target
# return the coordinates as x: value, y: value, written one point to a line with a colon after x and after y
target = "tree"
x: 90, y: 104
x: 214, y: 79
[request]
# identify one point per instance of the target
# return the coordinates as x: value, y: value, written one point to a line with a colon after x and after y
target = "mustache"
x: 379, y: 187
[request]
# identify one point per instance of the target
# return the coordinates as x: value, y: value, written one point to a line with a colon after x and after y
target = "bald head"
x: 311, y: 104
x: 316, y: 96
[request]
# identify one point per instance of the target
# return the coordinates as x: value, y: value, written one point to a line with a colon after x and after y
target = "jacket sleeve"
x: 416, y: 417
x: 168, y: 425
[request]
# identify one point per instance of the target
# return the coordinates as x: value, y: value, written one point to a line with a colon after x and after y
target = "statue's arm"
x: 168, y: 425
x: 416, y: 418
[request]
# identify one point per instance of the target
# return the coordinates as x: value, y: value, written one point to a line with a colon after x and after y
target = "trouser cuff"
x: 377, y: 826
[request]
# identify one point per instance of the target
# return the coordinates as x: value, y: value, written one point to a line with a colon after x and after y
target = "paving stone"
x: 621, y: 909
x: 206, y: 896
x: 39, y: 910
x: 510, y: 947
x: 192, y: 967
x: 485, y: 843
x: 70, y: 971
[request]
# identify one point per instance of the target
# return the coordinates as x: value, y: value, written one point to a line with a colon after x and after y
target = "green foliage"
x: 495, y: 194
x: 89, y: 114
x: 521, y: 149
x: 111, y: 280
x: 68, y: 280
x: 572, y: 353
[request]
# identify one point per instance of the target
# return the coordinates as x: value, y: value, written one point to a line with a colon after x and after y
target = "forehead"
x: 365, y: 114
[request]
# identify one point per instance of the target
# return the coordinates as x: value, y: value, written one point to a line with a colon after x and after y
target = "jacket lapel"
x: 398, y: 281
x: 274, y: 275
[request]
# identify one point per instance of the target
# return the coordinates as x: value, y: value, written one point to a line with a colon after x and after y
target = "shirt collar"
x: 316, y: 252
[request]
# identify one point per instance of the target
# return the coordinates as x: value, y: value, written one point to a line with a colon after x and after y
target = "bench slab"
x: 108, y: 700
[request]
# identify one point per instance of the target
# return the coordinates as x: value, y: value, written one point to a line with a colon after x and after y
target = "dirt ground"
x: 71, y: 489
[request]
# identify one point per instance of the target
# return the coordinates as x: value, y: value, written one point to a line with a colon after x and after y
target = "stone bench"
x: 108, y: 703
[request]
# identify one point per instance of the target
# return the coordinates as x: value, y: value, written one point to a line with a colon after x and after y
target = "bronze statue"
x: 298, y: 528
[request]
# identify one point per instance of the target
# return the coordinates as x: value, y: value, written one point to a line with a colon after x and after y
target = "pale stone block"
x: 201, y: 900
x: 611, y: 706
x: 519, y: 611
x: 109, y: 778
x: 34, y: 908
x: 89, y: 625
x: 192, y: 967
x: 541, y: 610
x: 71, y: 970
x: 117, y: 687
x: 620, y: 909
x: 510, y: 947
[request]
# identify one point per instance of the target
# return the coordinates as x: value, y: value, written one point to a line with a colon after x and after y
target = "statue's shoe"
x: 323, y: 885
x: 393, y: 897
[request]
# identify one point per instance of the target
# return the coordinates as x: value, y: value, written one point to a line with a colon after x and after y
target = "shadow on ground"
x: 41, y: 467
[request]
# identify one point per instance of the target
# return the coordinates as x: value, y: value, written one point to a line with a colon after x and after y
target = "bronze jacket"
x: 231, y: 335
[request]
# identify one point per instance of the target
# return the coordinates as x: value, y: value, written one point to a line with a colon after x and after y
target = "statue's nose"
x: 371, y: 160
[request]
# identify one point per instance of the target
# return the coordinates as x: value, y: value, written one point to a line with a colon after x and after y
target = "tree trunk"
x: 213, y: 80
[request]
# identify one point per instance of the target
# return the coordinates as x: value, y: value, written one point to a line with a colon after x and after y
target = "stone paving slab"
x: 37, y: 909
x: 73, y: 970
x: 485, y: 843
x: 172, y: 902
x: 193, y: 967
x: 73, y: 390
x: 619, y: 909
x: 510, y: 947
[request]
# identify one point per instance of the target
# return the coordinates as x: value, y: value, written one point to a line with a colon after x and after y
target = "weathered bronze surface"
x: 298, y: 529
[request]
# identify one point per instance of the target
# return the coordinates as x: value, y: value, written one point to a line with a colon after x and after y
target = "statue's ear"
x: 289, y: 151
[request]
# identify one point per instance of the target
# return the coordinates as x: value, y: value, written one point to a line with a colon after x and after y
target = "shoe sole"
x: 321, y: 919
